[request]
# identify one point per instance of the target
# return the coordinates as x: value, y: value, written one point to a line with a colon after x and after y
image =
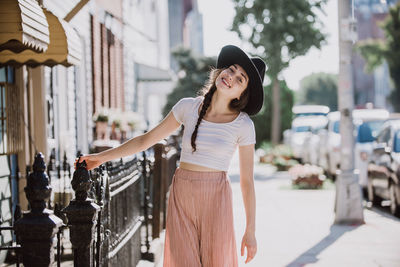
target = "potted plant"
x: 115, y: 130
x: 101, y: 120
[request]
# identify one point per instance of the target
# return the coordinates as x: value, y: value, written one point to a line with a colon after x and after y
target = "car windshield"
x: 310, y: 114
x: 368, y: 131
x: 336, y: 125
x: 300, y: 129
x: 397, y: 142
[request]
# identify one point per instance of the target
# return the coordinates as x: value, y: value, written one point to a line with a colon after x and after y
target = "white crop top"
x: 216, y: 142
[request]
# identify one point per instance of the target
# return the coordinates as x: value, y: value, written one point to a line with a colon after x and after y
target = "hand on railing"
x: 92, y: 161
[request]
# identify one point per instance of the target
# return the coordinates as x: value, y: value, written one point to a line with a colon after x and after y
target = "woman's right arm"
x: 134, y: 145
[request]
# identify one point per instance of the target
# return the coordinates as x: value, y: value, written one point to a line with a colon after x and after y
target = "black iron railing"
x: 118, y: 209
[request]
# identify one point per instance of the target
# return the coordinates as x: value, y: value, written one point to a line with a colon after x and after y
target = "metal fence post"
x: 81, y: 213
x: 37, y: 228
x: 147, y: 255
x: 157, y: 190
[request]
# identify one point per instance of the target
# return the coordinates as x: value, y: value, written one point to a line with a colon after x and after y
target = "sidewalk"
x: 295, y: 227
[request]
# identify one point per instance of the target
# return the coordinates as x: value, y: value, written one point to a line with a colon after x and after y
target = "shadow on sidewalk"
x: 384, y: 211
x: 310, y: 256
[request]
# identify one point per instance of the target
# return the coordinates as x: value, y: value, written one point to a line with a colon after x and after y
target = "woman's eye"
x: 240, y: 80
x: 230, y: 69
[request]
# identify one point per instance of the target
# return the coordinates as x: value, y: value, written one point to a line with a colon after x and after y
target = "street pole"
x: 348, y: 202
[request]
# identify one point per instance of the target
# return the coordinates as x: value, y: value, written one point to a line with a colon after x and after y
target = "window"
x: 10, y: 113
x: 336, y: 126
x: 384, y: 136
x: 368, y: 131
x: 396, y: 145
x: 49, y: 80
x: 300, y: 129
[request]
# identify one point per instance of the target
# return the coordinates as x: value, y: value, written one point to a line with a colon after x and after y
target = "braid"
x: 206, y: 104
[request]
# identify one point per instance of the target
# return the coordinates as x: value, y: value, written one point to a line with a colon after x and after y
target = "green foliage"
x: 262, y: 121
x: 279, y: 156
x: 193, y: 74
x: 279, y: 30
x: 117, y: 123
x: 101, y: 118
x: 319, y: 89
x: 375, y: 51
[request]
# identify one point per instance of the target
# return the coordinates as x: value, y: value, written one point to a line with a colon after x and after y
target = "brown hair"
x: 208, y: 91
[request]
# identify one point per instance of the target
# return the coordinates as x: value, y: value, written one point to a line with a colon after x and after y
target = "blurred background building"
x: 105, y: 75
x: 185, y: 27
x: 371, y: 87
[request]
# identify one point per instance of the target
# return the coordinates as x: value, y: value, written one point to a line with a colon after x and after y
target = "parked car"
x: 301, y: 130
x: 301, y: 126
x: 310, y: 110
x: 368, y: 123
x: 384, y: 167
x: 330, y: 145
x: 312, y: 143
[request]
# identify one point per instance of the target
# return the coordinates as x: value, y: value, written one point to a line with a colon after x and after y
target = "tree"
x: 193, y: 74
x: 278, y: 31
x: 263, y: 120
x: 376, y: 51
x: 319, y: 89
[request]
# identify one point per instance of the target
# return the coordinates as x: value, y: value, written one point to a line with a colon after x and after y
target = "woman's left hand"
x: 249, y: 241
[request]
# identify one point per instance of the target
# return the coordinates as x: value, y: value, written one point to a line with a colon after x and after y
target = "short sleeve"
x: 181, y: 108
x: 247, y: 133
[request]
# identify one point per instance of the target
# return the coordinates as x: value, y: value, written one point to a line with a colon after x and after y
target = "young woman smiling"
x: 199, y: 226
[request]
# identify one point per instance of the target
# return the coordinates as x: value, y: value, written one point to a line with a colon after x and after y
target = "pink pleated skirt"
x: 199, y: 226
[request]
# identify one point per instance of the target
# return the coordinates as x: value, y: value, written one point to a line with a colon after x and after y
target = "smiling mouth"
x: 225, y: 82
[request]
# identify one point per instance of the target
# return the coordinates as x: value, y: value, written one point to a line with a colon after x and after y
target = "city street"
x: 295, y: 227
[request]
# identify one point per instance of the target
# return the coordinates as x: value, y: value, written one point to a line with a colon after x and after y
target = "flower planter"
x: 101, y: 130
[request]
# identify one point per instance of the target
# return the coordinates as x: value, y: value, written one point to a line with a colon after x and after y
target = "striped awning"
x: 64, y: 47
x: 23, y: 25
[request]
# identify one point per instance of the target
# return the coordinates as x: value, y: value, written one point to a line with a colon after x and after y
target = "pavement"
x: 295, y: 227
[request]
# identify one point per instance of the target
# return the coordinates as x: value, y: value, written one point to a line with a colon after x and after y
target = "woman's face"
x: 232, y: 81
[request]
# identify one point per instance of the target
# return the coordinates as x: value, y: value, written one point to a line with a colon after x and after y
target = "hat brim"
x: 231, y: 55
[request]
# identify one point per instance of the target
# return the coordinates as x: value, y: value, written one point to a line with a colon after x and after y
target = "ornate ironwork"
x: 81, y: 213
x: 37, y: 228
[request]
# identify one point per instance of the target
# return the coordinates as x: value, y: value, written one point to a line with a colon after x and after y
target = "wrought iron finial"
x: 38, y: 189
x: 81, y: 181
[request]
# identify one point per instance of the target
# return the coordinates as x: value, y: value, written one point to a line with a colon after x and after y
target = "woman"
x: 199, y: 226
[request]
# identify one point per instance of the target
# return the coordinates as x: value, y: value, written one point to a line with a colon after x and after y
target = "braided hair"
x: 208, y: 91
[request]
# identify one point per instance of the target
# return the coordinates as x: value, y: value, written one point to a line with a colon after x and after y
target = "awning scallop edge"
x: 23, y: 25
x: 64, y: 48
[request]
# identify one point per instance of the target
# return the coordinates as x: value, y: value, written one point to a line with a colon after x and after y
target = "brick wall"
x: 96, y: 63
x: 107, y: 66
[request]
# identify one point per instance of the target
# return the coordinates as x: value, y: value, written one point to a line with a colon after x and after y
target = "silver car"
x: 367, y: 123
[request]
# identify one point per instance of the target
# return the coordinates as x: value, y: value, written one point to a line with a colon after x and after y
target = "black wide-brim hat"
x: 255, y: 69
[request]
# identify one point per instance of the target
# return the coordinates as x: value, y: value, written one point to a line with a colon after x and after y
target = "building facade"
x: 82, y: 59
x: 372, y: 87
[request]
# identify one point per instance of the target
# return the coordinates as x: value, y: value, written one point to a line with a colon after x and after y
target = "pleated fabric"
x: 199, y: 226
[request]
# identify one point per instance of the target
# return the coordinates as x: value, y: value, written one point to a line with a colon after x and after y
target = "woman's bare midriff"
x: 195, y: 167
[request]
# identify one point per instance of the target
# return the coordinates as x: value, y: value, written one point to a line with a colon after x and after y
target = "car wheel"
x: 371, y: 195
x: 394, y: 206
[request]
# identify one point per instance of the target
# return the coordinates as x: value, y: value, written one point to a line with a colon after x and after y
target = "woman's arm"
x: 246, y: 159
x: 134, y: 145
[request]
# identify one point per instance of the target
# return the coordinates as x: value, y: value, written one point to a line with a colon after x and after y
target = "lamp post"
x: 348, y: 202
